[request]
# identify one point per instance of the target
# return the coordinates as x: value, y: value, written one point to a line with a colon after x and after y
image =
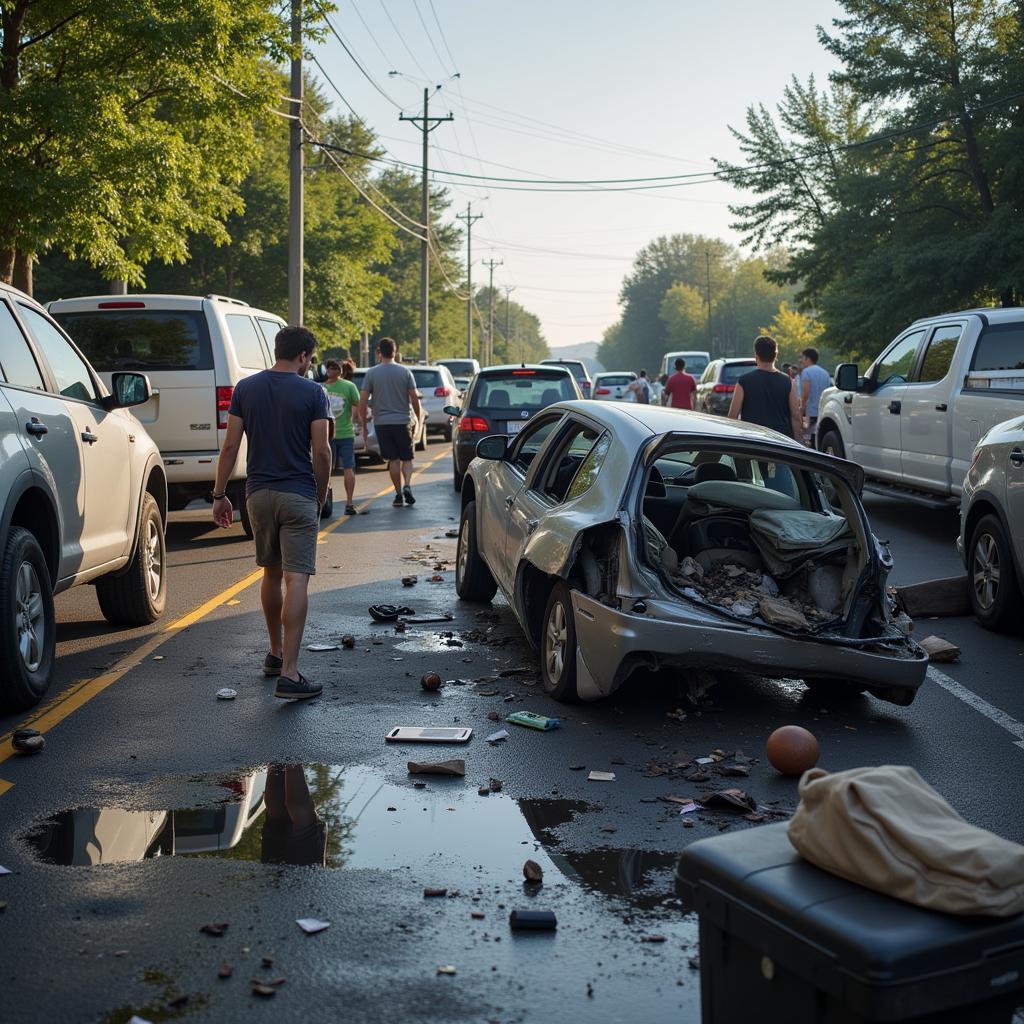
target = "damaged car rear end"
x: 639, y: 538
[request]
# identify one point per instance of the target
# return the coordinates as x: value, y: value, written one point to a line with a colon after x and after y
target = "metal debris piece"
x: 431, y: 893
x: 601, y: 776
x: 310, y: 925
x: 453, y: 766
x: 728, y: 800
x: 446, y: 969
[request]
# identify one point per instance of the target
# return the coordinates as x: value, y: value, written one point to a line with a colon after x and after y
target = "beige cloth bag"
x: 887, y: 829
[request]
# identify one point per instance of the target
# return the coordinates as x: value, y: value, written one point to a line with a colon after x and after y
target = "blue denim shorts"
x: 344, y: 452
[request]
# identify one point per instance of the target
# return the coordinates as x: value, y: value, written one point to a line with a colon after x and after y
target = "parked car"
x: 194, y: 350
x: 716, y: 384
x: 462, y: 383
x: 438, y: 389
x: 460, y: 368
x: 579, y: 371
x: 915, y: 417
x: 611, y: 387
x: 627, y: 537
x: 696, y: 362
x: 991, y: 540
x: 83, y: 495
x: 366, y: 445
x: 501, y: 400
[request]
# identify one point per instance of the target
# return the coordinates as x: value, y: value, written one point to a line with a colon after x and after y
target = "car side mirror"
x: 494, y: 447
x: 848, y: 377
x: 452, y: 410
x: 128, y: 389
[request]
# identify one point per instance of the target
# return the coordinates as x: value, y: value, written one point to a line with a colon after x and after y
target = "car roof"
x: 509, y: 367
x: 19, y: 295
x: 156, y: 300
x: 733, y: 360
x: 994, y: 314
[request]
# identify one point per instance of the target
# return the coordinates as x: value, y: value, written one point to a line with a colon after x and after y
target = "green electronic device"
x: 532, y: 721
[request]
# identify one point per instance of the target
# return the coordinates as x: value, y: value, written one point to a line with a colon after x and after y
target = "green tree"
x: 684, y: 312
x: 793, y: 330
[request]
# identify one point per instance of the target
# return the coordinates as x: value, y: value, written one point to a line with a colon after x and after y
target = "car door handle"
x: 894, y: 408
x: 89, y: 437
x: 941, y: 407
x: 510, y: 500
x: 1017, y: 457
x: 35, y: 428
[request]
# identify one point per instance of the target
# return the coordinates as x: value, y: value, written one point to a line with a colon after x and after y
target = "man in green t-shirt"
x: 344, y: 398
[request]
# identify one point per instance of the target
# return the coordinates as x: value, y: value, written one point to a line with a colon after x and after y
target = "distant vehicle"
x: 991, y: 540
x: 462, y: 383
x: 438, y: 388
x: 915, y: 417
x: 621, y: 536
x: 696, y: 362
x: 83, y: 495
x: 366, y: 445
x: 501, y: 400
x: 579, y: 371
x: 611, y: 387
x: 194, y: 350
x: 468, y: 368
x: 717, y: 383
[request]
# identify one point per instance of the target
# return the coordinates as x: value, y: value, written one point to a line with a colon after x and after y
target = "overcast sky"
x: 652, y: 84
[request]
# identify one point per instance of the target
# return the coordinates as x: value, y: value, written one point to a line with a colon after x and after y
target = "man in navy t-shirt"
x: 285, y: 418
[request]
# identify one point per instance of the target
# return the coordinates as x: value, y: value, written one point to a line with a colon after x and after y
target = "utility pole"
x: 707, y: 259
x: 295, y: 162
x: 364, y: 348
x: 469, y: 217
x: 491, y: 264
x: 509, y: 289
x: 426, y: 124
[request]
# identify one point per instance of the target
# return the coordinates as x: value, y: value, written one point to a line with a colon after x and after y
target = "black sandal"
x: 388, y: 612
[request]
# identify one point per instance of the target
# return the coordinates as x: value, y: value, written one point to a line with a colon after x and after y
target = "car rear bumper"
x: 611, y: 643
x: 197, y: 467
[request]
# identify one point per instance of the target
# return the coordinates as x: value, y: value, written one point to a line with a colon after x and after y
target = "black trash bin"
x: 783, y: 942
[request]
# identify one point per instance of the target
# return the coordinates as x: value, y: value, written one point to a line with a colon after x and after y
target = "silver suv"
x: 83, y: 495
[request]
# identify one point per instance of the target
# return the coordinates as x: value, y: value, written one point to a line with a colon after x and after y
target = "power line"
x: 430, y: 38
x: 355, y: 60
x: 380, y: 49
x: 444, y: 38
x: 398, y: 32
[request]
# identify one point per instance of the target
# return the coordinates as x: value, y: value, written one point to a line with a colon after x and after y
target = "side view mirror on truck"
x: 847, y: 376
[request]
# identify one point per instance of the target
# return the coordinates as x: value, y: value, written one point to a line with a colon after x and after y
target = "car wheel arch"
x: 32, y: 505
x: 468, y: 490
x: 156, y: 486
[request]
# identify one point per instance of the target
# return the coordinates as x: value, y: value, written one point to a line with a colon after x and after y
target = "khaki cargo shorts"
x: 285, y: 528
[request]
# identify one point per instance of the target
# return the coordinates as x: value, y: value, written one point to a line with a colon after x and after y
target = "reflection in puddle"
x: 353, y: 818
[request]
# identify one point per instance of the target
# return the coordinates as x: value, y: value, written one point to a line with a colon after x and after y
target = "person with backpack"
x: 641, y: 389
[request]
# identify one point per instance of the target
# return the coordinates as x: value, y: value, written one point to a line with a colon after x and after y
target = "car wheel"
x: 831, y: 443
x: 457, y: 478
x: 243, y: 514
x: 558, y: 646
x: 27, y: 622
x: 991, y: 576
x: 137, y: 597
x: 473, y: 580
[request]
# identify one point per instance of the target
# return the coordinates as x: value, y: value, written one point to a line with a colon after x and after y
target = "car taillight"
x: 603, y: 391
x: 724, y: 389
x: 441, y: 392
x: 120, y: 304
x: 474, y: 425
x: 223, y: 404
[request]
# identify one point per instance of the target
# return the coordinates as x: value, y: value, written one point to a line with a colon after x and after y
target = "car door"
x: 48, y: 436
x: 876, y: 410
x: 104, y: 444
x: 926, y: 434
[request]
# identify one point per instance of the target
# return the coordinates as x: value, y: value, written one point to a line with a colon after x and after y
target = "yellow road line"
x: 78, y: 694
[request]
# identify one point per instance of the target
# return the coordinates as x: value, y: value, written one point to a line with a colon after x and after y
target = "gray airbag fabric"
x: 885, y: 828
x: 737, y: 494
x: 786, y: 538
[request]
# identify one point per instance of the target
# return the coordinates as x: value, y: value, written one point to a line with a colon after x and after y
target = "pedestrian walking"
x: 393, y: 390
x: 813, y: 381
x: 285, y: 418
x: 640, y: 389
x: 680, y: 388
x: 766, y: 395
x: 343, y: 396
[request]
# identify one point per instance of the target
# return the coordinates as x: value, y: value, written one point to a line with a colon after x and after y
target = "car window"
x: 938, y: 356
x: 894, y: 366
x: 428, y: 378
x: 1001, y: 347
x: 709, y: 373
x: 16, y: 360
x: 562, y: 467
x: 615, y: 379
x: 269, y: 329
x: 522, y: 390
x: 248, y: 343
x: 68, y: 367
x: 589, y: 468
x: 732, y: 372
x: 531, y: 440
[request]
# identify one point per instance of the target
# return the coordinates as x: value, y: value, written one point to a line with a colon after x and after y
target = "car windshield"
x: 732, y: 372
x: 522, y: 389
x: 141, y: 339
x: 578, y: 370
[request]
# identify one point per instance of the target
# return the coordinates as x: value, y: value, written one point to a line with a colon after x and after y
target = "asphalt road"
x: 137, y: 742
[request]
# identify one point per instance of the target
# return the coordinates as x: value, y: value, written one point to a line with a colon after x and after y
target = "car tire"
x: 991, y: 576
x: 558, y: 646
x: 473, y: 580
x: 138, y: 595
x: 831, y: 443
x: 457, y: 477
x: 243, y: 514
x: 25, y: 590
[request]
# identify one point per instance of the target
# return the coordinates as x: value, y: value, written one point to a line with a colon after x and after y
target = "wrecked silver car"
x: 629, y: 537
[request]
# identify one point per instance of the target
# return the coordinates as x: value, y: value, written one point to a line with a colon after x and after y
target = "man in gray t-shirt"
x: 814, y: 379
x: 393, y: 390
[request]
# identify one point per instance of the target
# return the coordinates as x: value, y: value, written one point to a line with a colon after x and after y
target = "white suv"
x: 194, y: 350
x: 83, y: 495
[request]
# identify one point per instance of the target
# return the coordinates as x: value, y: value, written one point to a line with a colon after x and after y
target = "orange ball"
x: 431, y: 681
x: 792, y: 750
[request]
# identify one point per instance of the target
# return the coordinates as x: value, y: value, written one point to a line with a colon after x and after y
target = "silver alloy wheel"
x: 154, y: 563
x: 985, y: 574
x: 555, y: 637
x: 463, y: 554
x: 31, y: 617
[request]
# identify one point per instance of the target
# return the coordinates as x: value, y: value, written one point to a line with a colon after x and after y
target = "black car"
x: 718, y: 382
x: 500, y: 400
x: 579, y: 371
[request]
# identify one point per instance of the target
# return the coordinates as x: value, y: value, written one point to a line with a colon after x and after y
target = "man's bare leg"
x: 272, y: 601
x: 293, y: 619
x: 350, y: 486
x: 395, y: 469
x: 407, y: 472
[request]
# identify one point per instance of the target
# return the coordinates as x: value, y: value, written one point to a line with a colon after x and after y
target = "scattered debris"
x: 533, y: 872
x: 7, y: 871
x: 690, y: 567
x: 652, y: 938
x: 939, y: 649
x: 509, y: 673
x: 533, y: 920
x: 409, y: 581
x: 943, y: 598
x: 777, y: 611
x: 477, y: 915
x: 319, y: 648
x: 216, y: 930
x: 497, y: 737
x: 436, y: 578
x: 433, y: 893
x: 493, y: 716
x: 348, y: 641
x: 226, y: 693
x: 264, y: 991
x: 484, y: 791
x: 454, y: 766
x: 792, y: 750
x: 495, y: 785
x: 225, y: 970
x: 28, y: 741
x: 310, y: 925
x: 533, y: 721
x: 430, y: 681
x: 678, y: 714
x: 446, y: 969
x: 577, y: 767
x: 728, y: 800
x: 601, y: 777
x: 452, y: 534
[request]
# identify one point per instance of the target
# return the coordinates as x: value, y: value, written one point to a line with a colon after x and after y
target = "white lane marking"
x: 970, y: 698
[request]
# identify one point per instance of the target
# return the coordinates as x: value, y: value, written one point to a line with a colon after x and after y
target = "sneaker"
x: 297, y: 689
x: 407, y: 492
x: 398, y: 500
x: 272, y: 665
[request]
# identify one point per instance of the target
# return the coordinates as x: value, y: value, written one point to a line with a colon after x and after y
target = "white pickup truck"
x: 913, y: 419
